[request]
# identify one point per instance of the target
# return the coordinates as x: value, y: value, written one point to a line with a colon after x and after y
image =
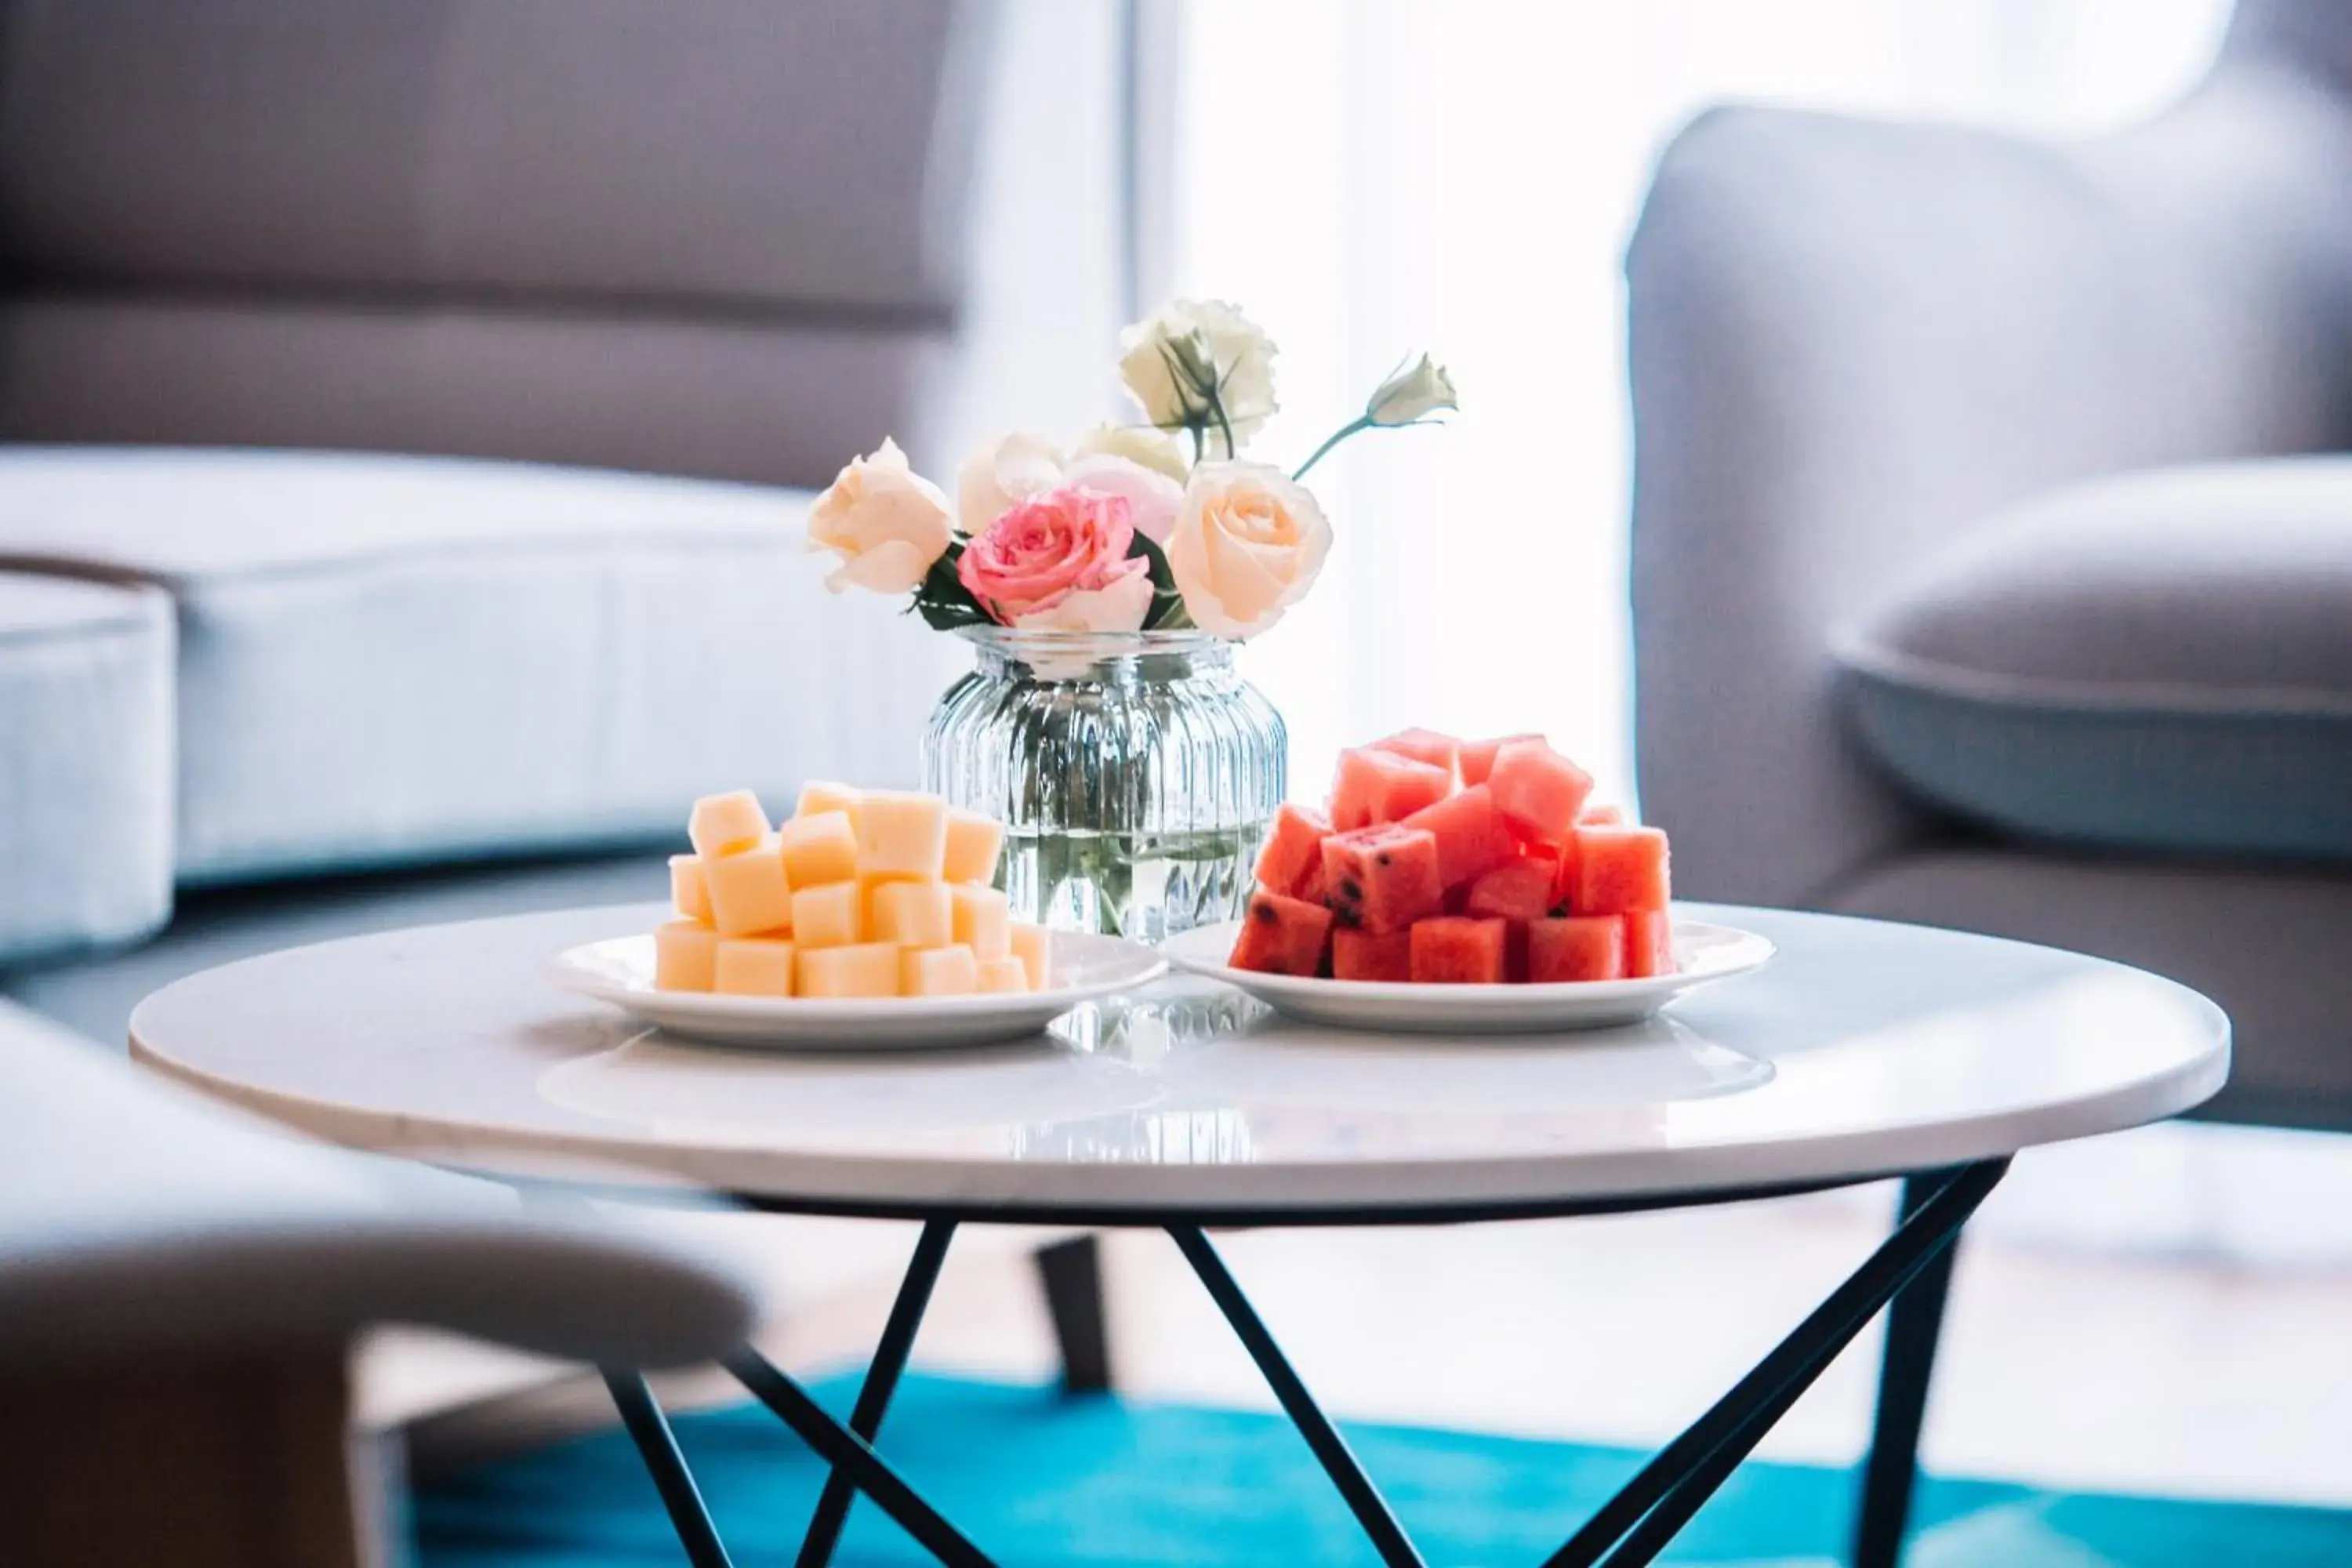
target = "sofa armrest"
x: 140, y: 1222
x: 1848, y: 340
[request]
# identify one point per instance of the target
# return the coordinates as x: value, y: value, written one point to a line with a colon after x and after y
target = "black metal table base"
x: 1911, y: 1268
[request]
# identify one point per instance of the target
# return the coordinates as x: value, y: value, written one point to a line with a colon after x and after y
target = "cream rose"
x: 1247, y: 546
x: 1139, y: 444
x: 886, y: 522
x: 1174, y: 361
x: 994, y: 478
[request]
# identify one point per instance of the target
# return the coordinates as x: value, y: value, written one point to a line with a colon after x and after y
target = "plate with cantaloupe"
x: 865, y: 919
x: 1472, y: 887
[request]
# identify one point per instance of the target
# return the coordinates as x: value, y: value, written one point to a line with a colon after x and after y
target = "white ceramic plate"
x: 621, y: 971
x: 1704, y: 953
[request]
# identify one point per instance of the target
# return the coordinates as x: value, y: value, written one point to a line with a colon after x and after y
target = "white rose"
x: 886, y: 522
x: 1414, y: 393
x: 1192, y: 349
x: 1155, y: 450
x: 1153, y: 498
x: 994, y: 478
x: 1247, y: 546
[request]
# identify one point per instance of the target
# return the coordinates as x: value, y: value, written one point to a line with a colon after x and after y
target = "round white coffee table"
x: 1864, y: 1050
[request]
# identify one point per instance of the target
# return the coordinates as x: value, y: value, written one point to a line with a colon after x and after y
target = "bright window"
x: 1370, y: 177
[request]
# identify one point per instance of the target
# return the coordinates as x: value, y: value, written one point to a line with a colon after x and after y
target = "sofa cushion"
x: 85, y: 764
x: 2158, y: 662
x: 391, y: 660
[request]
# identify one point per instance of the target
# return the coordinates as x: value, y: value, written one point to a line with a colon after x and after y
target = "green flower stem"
x: 1337, y: 435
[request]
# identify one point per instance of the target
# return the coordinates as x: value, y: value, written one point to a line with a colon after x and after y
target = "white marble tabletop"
x: 1864, y: 1049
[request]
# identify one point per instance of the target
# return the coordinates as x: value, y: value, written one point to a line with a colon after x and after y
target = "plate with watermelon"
x: 1467, y: 886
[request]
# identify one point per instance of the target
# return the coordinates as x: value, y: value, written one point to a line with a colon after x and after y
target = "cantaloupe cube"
x: 912, y: 914
x: 724, y: 822
x: 754, y: 966
x: 748, y: 892
x: 689, y: 895
x: 868, y: 889
x: 684, y: 956
x: 818, y: 797
x: 973, y: 844
x: 829, y: 916
x: 937, y: 971
x: 1034, y: 946
x: 980, y: 920
x: 1006, y: 973
x: 864, y: 969
x: 901, y: 835
x: 819, y: 848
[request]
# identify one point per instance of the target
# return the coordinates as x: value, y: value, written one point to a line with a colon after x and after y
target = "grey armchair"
x: 1914, y: 398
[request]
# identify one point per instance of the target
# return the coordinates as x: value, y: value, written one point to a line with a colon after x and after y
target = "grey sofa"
x: 180, y: 1289
x: 1983, y: 575
x: 324, y: 333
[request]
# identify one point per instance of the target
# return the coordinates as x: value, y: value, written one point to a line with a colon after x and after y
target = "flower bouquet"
x: 1103, y: 586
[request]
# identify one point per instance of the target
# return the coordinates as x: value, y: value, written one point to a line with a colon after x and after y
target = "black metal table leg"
x: 849, y: 1455
x: 1071, y: 1273
x: 1371, y: 1509
x: 649, y: 1428
x: 881, y: 1382
x: 1891, y: 1473
x: 1690, y: 1468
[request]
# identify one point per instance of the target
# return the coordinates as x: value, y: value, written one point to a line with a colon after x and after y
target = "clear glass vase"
x: 1135, y: 773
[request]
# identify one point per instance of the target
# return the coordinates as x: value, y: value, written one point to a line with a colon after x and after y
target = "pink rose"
x: 1058, y: 560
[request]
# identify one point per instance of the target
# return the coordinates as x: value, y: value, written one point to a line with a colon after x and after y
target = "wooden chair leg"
x: 202, y: 1463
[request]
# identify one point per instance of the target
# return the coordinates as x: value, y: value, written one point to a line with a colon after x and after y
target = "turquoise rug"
x: 1040, y: 1481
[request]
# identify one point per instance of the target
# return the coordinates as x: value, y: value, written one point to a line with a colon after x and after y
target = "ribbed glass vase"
x: 1135, y: 774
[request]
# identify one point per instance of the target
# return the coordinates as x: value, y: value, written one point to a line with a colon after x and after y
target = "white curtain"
x: 1371, y: 176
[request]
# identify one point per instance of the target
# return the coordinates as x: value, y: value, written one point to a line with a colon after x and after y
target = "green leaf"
x: 1167, y: 612
x: 943, y: 601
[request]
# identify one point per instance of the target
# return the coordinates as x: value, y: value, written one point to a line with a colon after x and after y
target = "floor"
x: 2168, y: 1310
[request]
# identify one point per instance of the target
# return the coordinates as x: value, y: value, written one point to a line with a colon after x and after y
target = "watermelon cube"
x: 1422, y: 746
x: 1282, y: 936
x: 1381, y: 880
x: 1576, y: 947
x: 1294, y: 851
x: 1539, y: 791
x: 1522, y: 890
x: 1361, y: 955
x: 1620, y: 870
x: 1649, y: 943
x: 1372, y: 787
x: 1456, y: 949
x: 1476, y: 758
x: 1472, y: 836
x: 1603, y: 815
